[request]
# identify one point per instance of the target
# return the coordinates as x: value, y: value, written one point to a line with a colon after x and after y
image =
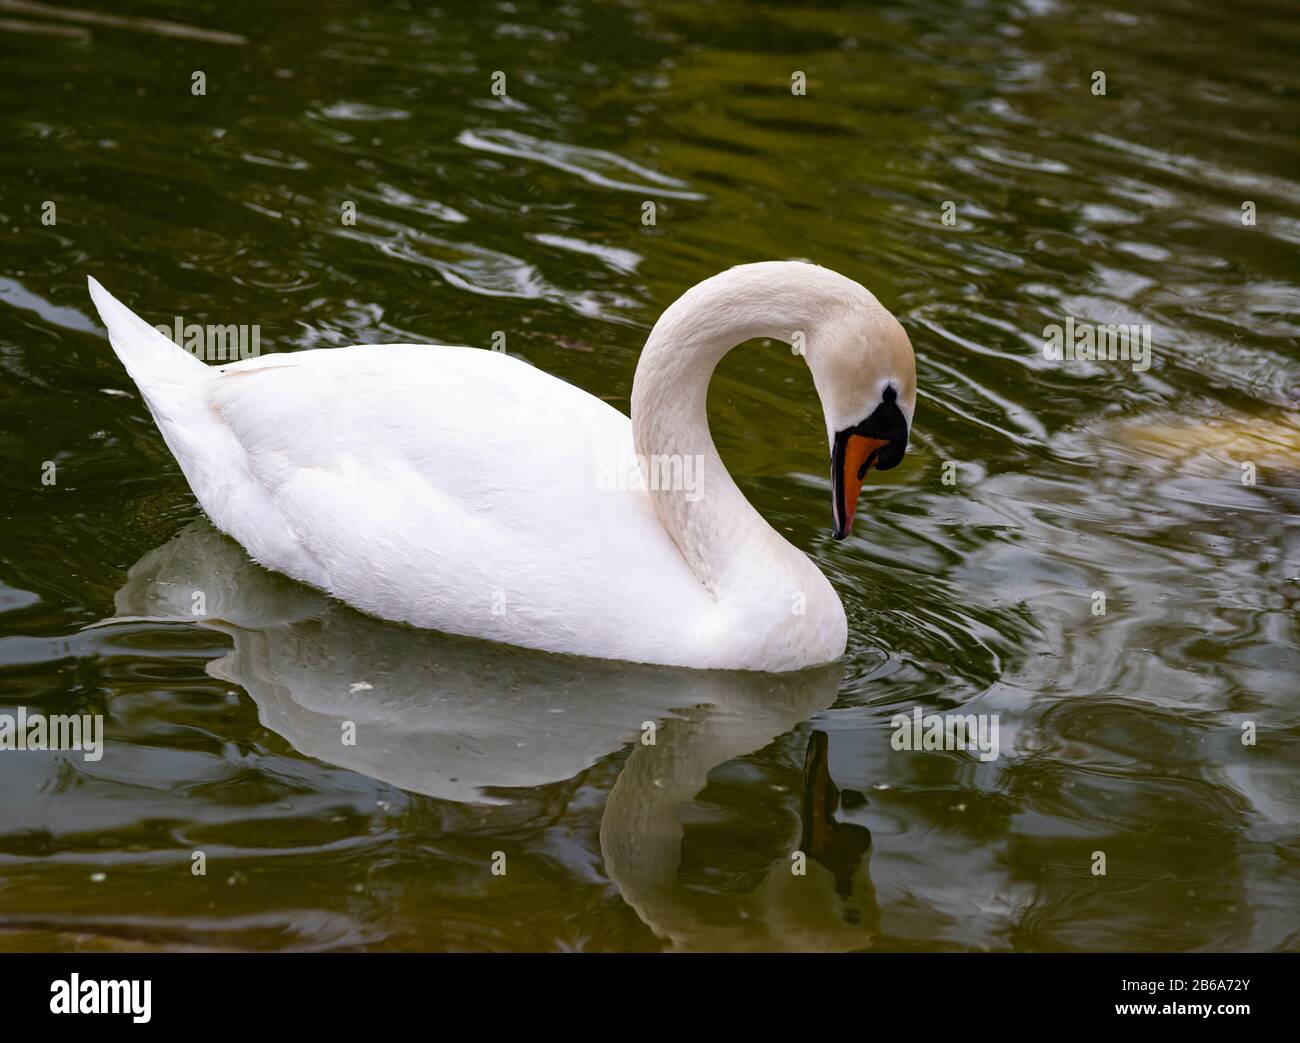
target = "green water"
x: 1120, y: 733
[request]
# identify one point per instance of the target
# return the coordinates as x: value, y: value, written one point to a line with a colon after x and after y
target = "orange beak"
x: 851, y: 459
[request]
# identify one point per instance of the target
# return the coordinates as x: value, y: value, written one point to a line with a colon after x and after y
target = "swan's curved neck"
x: 719, y: 533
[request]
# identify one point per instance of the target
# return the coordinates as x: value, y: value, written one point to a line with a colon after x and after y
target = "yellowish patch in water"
x: 1263, y: 440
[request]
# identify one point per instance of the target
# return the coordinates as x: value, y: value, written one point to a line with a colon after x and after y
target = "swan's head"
x: 865, y: 373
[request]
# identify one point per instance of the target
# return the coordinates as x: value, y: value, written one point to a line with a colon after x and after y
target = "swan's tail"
x: 154, y: 361
x: 174, y: 385
x: 177, y: 388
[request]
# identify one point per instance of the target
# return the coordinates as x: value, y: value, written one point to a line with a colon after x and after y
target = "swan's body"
x: 462, y: 490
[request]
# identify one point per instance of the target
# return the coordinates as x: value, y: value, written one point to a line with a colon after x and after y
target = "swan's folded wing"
x: 454, y: 488
x: 497, y: 437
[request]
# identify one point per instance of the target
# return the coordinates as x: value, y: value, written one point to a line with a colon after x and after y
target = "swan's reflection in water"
x: 458, y: 720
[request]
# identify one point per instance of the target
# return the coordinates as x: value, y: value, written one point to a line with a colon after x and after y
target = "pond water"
x: 1101, y: 556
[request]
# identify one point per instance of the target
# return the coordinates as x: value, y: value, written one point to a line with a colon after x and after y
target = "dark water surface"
x: 1120, y: 733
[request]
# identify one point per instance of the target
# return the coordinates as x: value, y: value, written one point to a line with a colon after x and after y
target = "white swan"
x: 463, y: 490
